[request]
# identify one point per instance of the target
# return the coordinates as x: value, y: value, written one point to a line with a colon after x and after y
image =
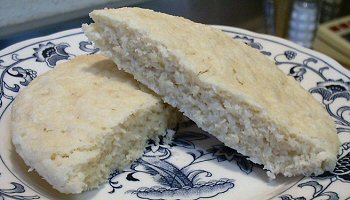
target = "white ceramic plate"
x: 195, y: 165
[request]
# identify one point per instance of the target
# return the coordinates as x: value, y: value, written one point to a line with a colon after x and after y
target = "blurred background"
x: 300, y: 21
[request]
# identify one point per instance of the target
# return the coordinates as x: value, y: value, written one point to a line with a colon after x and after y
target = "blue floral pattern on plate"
x: 194, y: 165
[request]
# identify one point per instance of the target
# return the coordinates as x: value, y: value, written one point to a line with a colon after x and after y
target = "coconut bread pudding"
x: 83, y: 119
x: 223, y: 85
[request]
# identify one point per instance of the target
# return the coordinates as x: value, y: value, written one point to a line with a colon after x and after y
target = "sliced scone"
x: 228, y: 88
x: 83, y: 119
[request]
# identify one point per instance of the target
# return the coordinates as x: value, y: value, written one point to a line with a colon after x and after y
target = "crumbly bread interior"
x: 80, y: 121
x: 237, y: 121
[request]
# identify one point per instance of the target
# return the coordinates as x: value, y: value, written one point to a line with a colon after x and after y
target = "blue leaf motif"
x: 192, y: 175
x: 331, y: 195
x: 51, y: 53
x: 87, y: 47
x: 297, y: 72
x: 175, y: 181
x: 15, y: 57
x: 223, y: 153
x: 130, y: 177
x: 114, y: 184
x: 252, y: 43
x: 266, y: 53
x: 322, y: 69
x: 193, y: 155
x: 346, y: 145
x: 13, y: 193
x: 312, y: 60
x: 290, y: 197
x: 170, y: 174
x: 134, y: 165
x: 15, y: 88
x: 345, y: 95
x: 245, y: 165
x: 317, y: 187
x: 27, y: 74
x: 342, y: 169
x: 255, y: 45
x: 206, y: 190
x: 326, y: 94
x: 342, y: 110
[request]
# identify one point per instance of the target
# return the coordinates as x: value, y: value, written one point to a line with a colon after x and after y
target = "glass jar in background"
x: 298, y: 20
x: 304, y: 21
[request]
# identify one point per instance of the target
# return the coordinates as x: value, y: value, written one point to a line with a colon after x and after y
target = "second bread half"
x: 228, y: 88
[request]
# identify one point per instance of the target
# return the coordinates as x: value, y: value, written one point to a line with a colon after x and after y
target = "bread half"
x: 228, y: 88
x: 83, y: 119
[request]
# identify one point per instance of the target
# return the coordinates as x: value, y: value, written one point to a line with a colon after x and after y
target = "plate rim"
x: 23, y: 44
x: 339, y: 67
